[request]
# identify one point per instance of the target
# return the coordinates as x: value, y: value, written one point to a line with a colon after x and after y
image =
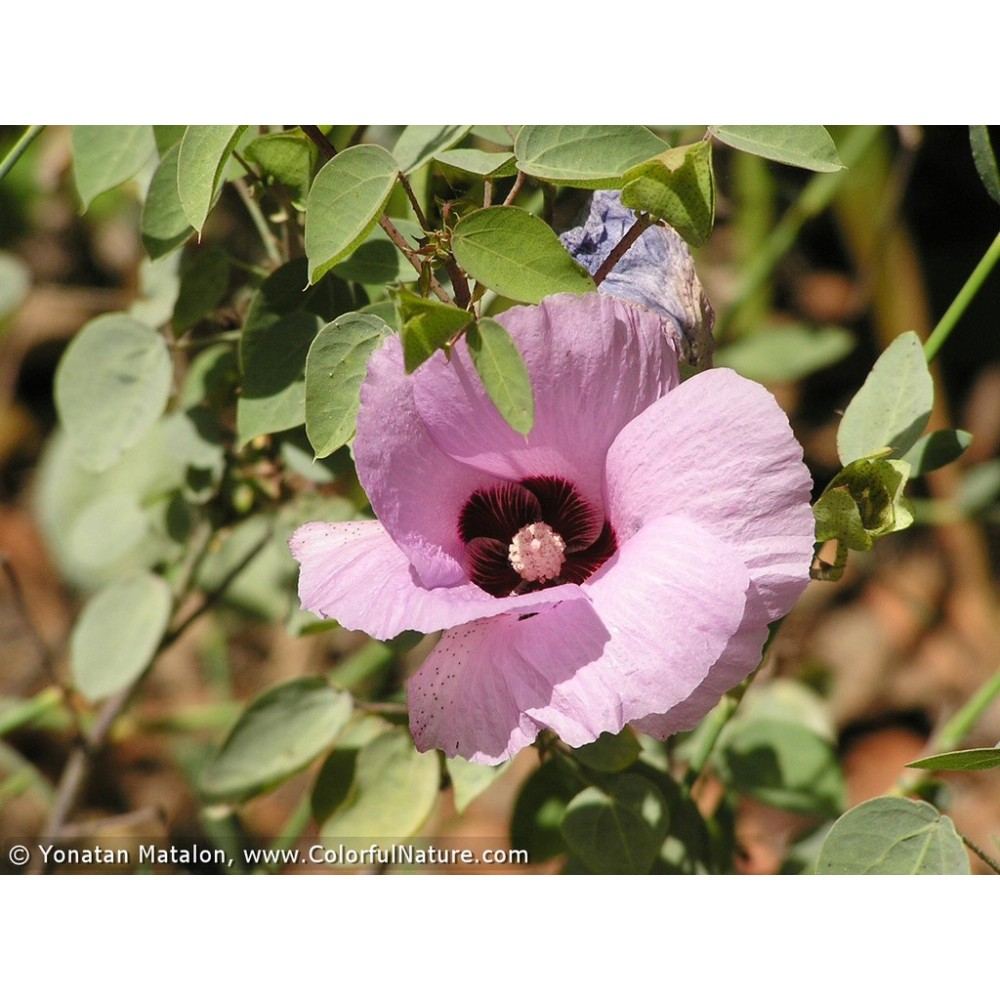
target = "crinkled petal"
x: 353, y: 571
x: 741, y: 655
x: 657, y: 271
x: 488, y: 688
x: 662, y: 612
x: 718, y: 450
x: 415, y: 489
x: 595, y: 362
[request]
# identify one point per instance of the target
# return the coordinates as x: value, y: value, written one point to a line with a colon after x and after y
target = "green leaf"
x: 610, y: 753
x: 618, y: 828
x: 204, y: 281
x: 105, y: 156
x: 195, y: 438
x: 539, y: 810
x: 678, y: 187
x: 427, y: 326
x: 202, y: 158
x: 212, y: 377
x: 273, y: 360
x: 892, y: 408
x: 15, y: 283
x: 893, y: 836
x: 808, y: 146
x: 786, y: 353
x: 335, y: 368
x: 117, y: 633
x: 937, y: 449
x: 782, y: 764
x: 586, y: 156
x: 280, y: 733
x: 167, y: 136
x: 503, y: 373
x: 469, y: 781
x: 288, y: 158
x: 517, y: 255
x: 345, y: 202
x: 478, y: 162
x: 395, y: 788
x: 418, y: 144
x: 164, y: 225
x: 961, y: 760
x: 111, y: 385
x: 377, y: 260
x: 985, y: 160
x: 287, y: 290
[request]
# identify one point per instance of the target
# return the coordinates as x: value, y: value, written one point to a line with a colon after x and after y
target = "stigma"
x: 536, y: 553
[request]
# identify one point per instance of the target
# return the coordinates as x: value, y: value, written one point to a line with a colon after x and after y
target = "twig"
x: 418, y: 211
x: 981, y: 854
x: 17, y: 150
x: 516, y: 189
x: 267, y: 237
x: 622, y: 247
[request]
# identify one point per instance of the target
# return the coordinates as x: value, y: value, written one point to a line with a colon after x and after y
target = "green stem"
x: 815, y: 197
x: 980, y: 853
x: 290, y: 833
x: 253, y: 209
x: 954, y: 732
x: 17, y: 151
x: 947, y: 323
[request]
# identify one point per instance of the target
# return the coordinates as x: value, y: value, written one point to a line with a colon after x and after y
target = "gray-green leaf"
x: 517, y: 255
x: 164, y: 225
x: 808, y: 146
x: 345, y: 202
x: 335, y: 368
x: 105, y: 156
x: 893, y: 836
x: 418, y: 144
x: 280, y: 733
x: 117, y: 633
x: 891, y: 410
x: 503, y: 373
x: 204, y: 151
x: 469, y: 781
x: 585, y: 156
x: 961, y: 760
x: 111, y: 385
x: 785, y: 353
x: 937, y: 449
x: 985, y: 160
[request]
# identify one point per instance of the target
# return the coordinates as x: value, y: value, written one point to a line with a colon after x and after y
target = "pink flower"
x: 618, y: 565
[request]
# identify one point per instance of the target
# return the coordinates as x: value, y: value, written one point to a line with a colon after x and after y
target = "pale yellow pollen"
x: 536, y: 552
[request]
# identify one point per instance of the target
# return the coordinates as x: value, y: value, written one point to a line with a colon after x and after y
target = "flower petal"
x: 594, y: 362
x: 663, y: 610
x: 353, y: 571
x: 718, y: 450
x: 482, y: 691
x: 416, y: 490
x: 741, y: 655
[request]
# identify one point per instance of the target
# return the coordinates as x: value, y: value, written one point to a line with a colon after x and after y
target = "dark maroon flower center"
x: 537, y: 533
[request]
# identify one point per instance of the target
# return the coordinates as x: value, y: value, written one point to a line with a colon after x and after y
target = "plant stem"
x: 417, y: 210
x: 17, y: 150
x: 968, y: 292
x: 960, y: 725
x: 266, y: 236
x: 516, y: 189
x: 636, y: 230
x: 980, y: 853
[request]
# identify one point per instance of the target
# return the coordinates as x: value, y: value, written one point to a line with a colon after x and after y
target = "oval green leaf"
x: 105, y: 156
x: 204, y: 151
x: 786, y: 353
x: 503, y: 373
x: 585, y: 156
x: 469, y: 781
x: 427, y: 326
x: 395, y: 788
x: 517, y: 255
x: 345, y: 202
x: 961, y: 760
x: 273, y: 360
x: 335, y: 368
x: 782, y: 764
x: 808, y: 146
x: 281, y: 732
x: 288, y: 158
x: 478, y: 162
x: 678, y: 187
x: 377, y: 260
x: 539, y: 810
x: 111, y: 385
x: 164, y: 225
x: 893, y: 836
x: 618, y: 828
x: 117, y: 634
x: 418, y: 144
x: 985, y: 160
x: 204, y: 281
x: 610, y: 752
x: 937, y: 449
x: 892, y: 408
